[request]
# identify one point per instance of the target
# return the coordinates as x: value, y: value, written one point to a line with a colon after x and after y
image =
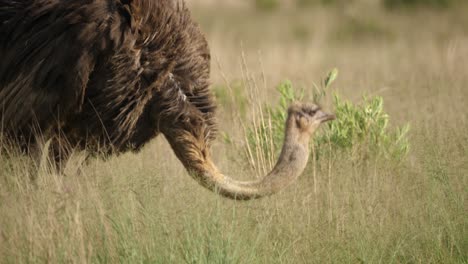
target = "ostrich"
x: 111, y: 75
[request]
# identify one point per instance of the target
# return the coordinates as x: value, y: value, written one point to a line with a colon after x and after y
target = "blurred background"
x: 272, y: 4
x: 403, y: 50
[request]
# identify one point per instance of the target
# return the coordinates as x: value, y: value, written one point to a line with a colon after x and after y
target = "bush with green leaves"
x: 363, y: 128
x: 359, y: 128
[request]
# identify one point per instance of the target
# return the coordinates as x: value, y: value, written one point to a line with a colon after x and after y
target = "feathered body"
x: 101, y: 74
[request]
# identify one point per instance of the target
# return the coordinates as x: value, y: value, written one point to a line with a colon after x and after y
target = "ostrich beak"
x: 324, y: 116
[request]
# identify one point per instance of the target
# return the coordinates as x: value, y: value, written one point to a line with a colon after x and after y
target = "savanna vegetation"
x: 387, y: 181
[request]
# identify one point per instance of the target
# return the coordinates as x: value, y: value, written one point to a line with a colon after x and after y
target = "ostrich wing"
x: 47, y: 51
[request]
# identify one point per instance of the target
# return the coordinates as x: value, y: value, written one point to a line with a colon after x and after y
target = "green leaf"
x: 331, y: 77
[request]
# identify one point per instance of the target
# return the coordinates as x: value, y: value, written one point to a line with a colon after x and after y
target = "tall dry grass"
x: 143, y: 208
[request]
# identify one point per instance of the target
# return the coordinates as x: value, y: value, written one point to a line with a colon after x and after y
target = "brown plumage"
x: 109, y: 75
x: 94, y: 68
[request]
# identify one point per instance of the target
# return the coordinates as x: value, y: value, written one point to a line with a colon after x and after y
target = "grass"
x: 143, y: 208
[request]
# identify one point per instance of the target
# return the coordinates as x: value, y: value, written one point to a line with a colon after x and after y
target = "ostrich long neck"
x: 196, y: 159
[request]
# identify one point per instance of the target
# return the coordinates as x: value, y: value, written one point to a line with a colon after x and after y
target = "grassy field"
x: 144, y: 208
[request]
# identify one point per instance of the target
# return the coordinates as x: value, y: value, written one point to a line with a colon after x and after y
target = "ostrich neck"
x: 291, y: 163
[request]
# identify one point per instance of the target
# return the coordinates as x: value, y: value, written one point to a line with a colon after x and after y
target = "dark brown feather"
x: 104, y: 73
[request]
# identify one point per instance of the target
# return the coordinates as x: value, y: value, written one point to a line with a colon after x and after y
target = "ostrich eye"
x: 311, y: 111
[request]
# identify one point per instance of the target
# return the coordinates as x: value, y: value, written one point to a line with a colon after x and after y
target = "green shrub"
x: 359, y: 128
x: 363, y: 128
